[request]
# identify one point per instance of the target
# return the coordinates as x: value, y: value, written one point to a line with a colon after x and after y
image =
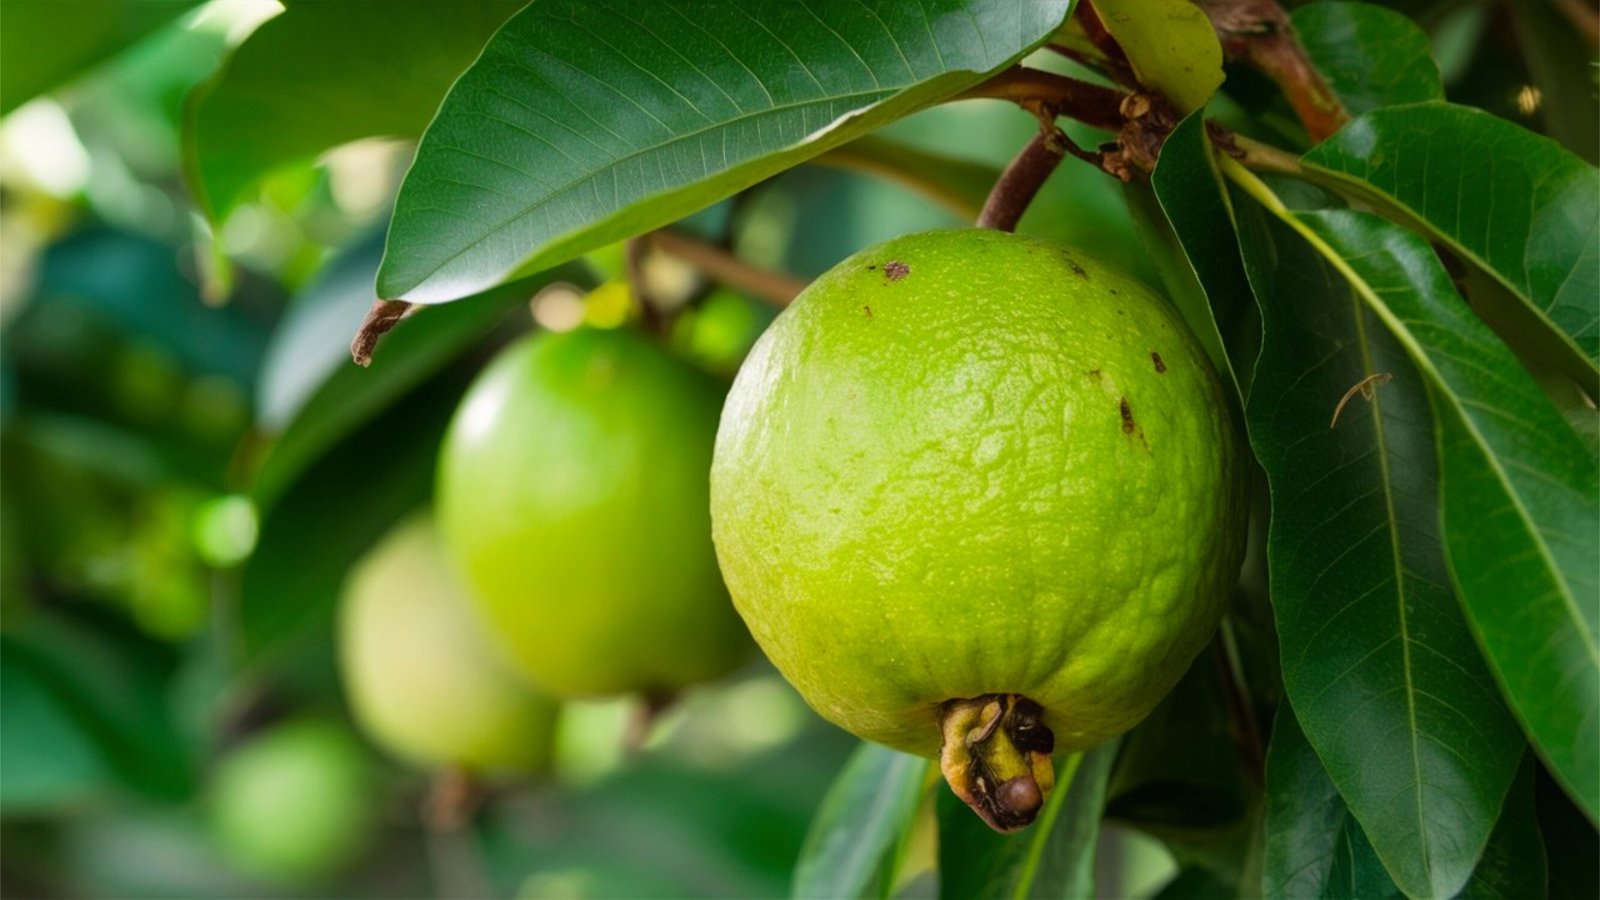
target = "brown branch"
x: 1258, y: 33
x: 1585, y: 19
x: 1114, y: 59
x: 773, y: 287
x: 1020, y: 182
x: 639, y: 288
x: 383, y: 315
x: 1053, y: 95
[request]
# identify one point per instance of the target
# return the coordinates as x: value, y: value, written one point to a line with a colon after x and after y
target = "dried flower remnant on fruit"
x: 995, y: 754
x: 894, y: 270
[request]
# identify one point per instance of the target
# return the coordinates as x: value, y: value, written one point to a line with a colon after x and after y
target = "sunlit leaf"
x: 46, y: 43
x: 860, y: 824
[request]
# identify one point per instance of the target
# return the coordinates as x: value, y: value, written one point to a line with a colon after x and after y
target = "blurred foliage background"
x: 190, y: 466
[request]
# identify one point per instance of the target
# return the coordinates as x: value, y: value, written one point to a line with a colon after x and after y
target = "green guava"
x: 422, y: 679
x: 573, y: 495
x: 979, y: 497
x: 296, y: 804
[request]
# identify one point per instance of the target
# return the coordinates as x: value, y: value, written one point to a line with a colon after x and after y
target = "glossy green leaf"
x: 1192, y: 201
x: 360, y: 68
x: 1517, y: 204
x: 1377, y: 660
x: 1315, y: 848
x: 589, y: 121
x: 45, y: 43
x: 1371, y: 56
x: 958, y: 185
x: 1521, y: 496
x: 1053, y: 857
x: 315, y: 396
x: 860, y: 824
x: 1170, y: 43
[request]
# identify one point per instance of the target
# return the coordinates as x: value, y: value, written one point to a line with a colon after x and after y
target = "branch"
x: 775, y: 288
x: 1053, y: 95
x: 1258, y: 32
x: 1114, y: 59
x: 383, y: 315
x: 1020, y: 182
x: 633, y: 262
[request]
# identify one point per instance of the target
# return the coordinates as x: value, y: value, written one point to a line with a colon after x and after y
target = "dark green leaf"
x: 1315, y: 848
x: 1197, y: 883
x: 331, y: 513
x: 1511, y: 201
x: 1521, y: 495
x: 1571, y: 842
x: 1054, y: 857
x: 1513, y: 865
x: 308, y: 374
x: 360, y: 68
x: 1377, y: 660
x: 47, y: 42
x: 860, y: 824
x: 588, y: 121
x: 48, y: 756
x: 1219, y: 307
x: 1371, y: 56
x: 1170, y: 43
x: 1562, y: 62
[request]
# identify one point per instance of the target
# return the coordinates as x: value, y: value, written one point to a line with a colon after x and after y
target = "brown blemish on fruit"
x: 1127, y: 418
x: 1077, y: 269
x: 1161, y: 365
x: 1093, y: 373
x: 867, y: 310
x: 872, y: 268
x: 894, y: 270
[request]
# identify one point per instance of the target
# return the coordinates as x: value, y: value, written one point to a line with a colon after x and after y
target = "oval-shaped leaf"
x: 589, y: 121
x: 345, y: 83
x: 860, y: 823
x: 1054, y: 857
x: 1511, y: 201
x: 1171, y: 44
x: 1377, y: 660
x: 1371, y: 56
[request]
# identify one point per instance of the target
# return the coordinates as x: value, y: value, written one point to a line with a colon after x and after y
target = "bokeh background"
x: 189, y: 466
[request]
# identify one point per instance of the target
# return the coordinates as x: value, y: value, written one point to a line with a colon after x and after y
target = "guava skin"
x: 573, y: 496
x: 969, y: 463
x: 422, y: 679
x: 296, y: 804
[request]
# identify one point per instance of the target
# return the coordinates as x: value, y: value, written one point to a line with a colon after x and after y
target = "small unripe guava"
x: 295, y: 805
x: 573, y: 496
x: 423, y: 680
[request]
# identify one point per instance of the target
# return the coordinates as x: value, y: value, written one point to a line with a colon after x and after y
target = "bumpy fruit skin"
x: 573, y: 495
x: 967, y: 463
x: 422, y: 678
x: 296, y: 804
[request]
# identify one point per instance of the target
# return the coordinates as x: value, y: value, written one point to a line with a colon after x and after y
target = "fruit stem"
x: 1020, y: 182
x: 383, y: 315
x: 1260, y: 34
x: 775, y: 288
x: 995, y: 754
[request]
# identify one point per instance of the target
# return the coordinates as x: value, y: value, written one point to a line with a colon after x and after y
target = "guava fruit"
x: 573, y: 495
x: 422, y: 679
x: 296, y: 804
x: 979, y: 497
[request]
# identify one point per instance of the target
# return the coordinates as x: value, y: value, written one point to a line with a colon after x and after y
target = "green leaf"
x: 312, y: 392
x: 860, y: 824
x: 1210, y: 285
x: 959, y: 185
x: 1370, y: 55
x: 1171, y: 44
x: 48, y: 756
x: 1515, y: 203
x: 1054, y: 857
x: 1570, y: 840
x: 1521, y: 496
x: 360, y: 68
x: 1377, y: 660
x: 331, y: 513
x: 589, y: 121
x: 45, y: 43
x: 1316, y: 849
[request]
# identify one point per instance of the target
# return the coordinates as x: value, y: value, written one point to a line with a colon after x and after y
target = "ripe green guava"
x: 573, y: 495
x: 296, y: 804
x: 422, y: 679
x: 979, y: 497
